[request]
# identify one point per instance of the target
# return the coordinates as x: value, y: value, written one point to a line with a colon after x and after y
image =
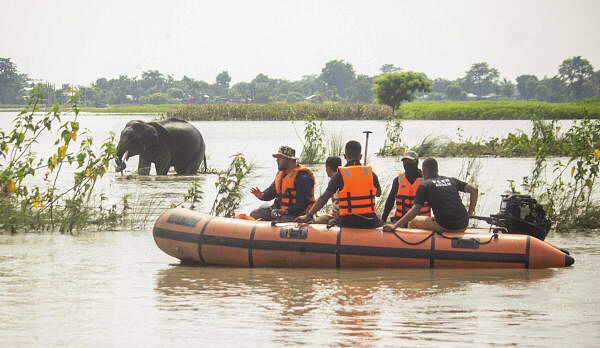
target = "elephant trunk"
x: 122, y: 157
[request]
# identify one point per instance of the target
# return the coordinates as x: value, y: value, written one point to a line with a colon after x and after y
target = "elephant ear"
x: 161, y: 133
x: 149, y: 136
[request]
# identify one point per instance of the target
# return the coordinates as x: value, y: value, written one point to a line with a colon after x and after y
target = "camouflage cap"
x: 411, y: 155
x: 285, y: 152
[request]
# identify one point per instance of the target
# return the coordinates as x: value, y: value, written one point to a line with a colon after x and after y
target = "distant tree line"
x: 338, y: 81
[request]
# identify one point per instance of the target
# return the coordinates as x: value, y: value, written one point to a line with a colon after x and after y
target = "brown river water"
x: 116, y: 288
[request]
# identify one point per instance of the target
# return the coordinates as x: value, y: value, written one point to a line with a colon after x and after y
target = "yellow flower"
x: 73, y: 136
x: 54, y: 159
x: 572, y: 171
x: 87, y: 171
x: 11, y: 186
x: 63, y: 151
x: 6, y: 149
x: 37, y: 203
x: 597, y: 154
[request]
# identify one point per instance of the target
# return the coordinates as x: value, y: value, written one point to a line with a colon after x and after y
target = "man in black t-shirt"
x: 442, y: 194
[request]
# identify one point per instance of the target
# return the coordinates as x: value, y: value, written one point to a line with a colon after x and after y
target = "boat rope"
x: 492, y: 237
x: 441, y: 234
x: 411, y: 243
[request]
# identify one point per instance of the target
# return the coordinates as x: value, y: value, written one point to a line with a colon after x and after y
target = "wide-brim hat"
x: 410, y: 155
x: 285, y: 152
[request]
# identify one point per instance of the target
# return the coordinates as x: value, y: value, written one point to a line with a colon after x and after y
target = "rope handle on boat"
x: 441, y: 234
x: 413, y: 243
x: 492, y: 237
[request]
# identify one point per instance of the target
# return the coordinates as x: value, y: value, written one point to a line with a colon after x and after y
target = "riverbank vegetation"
x: 27, y: 204
x: 465, y: 110
x: 281, y: 112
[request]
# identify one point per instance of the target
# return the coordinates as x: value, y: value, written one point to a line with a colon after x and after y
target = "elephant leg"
x: 191, y: 168
x: 163, y: 163
x: 144, y: 165
x: 162, y: 168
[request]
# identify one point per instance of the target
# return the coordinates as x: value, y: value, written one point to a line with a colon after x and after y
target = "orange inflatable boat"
x: 199, y: 238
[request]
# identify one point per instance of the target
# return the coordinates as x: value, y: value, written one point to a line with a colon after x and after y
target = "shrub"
x: 25, y: 205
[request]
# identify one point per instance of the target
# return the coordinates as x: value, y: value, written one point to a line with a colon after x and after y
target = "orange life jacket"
x: 358, y: 194
x: 405, y: 197
x: 285, y: 190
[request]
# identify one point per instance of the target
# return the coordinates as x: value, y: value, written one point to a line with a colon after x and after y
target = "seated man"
x: 357, y: 187
x: 293, y: 189
x: 331, y: 166
x: 442, y: 194
x: 404, y: 188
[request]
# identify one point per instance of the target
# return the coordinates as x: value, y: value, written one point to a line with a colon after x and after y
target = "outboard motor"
x: 521, y: 214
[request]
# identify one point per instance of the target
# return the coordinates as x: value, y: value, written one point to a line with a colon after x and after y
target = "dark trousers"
x: 264, y: 213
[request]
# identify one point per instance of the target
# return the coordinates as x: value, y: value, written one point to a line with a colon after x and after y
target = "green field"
x: 114, y: 109
x: 499, y: 110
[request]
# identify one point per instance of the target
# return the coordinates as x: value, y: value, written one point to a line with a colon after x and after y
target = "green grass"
x: 499, y: 110
x: 114, y: 109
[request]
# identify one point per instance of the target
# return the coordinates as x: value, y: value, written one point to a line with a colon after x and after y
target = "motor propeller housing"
x: 521, y: 214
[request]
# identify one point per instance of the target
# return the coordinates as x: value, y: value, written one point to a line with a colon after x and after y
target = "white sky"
x: 80, y: 41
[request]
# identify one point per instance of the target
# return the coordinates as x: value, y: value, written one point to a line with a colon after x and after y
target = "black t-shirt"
x: 442, y: 194
x: 364, y: 221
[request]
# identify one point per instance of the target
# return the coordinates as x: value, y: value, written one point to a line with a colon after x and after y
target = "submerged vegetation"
x: 230, y: 186
x: 393, y: 145
x: 26, y: 204
x: 570, y: 197
x: 545, y: 133
x: 313, y: 150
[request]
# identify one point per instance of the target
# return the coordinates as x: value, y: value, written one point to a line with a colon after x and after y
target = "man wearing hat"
x: 404, y: 189
x: 292, y: 189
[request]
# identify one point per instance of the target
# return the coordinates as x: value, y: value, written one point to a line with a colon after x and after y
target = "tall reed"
x: 280, y: 111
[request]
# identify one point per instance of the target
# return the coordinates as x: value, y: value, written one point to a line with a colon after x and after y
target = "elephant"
x: 165, y: 143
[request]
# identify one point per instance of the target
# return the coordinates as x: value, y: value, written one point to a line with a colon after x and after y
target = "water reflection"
x: 353, y: 306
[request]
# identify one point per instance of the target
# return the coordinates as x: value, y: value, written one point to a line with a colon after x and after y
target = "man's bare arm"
x: 473, y: 196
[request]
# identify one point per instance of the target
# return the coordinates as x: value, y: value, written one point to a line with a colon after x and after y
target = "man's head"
x: 430, y: 168
x: 410, y: 161
x: 331, y: 165
x: 352, y: 151
x: 286, y: 158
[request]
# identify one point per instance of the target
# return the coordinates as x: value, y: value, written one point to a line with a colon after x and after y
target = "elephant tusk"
x: 125, y: 155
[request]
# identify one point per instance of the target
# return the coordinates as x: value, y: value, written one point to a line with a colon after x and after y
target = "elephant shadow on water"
x: 167, y: 143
